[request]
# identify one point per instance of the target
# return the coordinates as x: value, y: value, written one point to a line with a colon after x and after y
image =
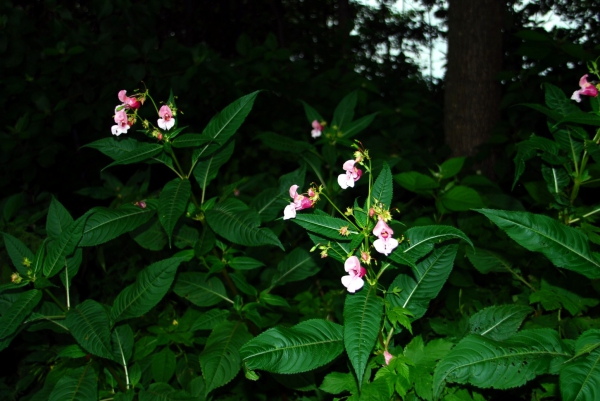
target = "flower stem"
x: 339, y: 211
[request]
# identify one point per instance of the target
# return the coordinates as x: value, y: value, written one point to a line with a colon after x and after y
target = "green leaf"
x: 402, y: 259
x: 79, y: 384
x: 287, y: 350
x: 226, y: 123
x: 566, y: 247
x: 295, y: 266
x: 311, y: 114
x: 200, y: 290
x: 89, y: 324
x: 106, y: 224
x: 189, y: 141
x: 122, y: 344
x: 580, y: 117
x: 283, y: 143
x: 419, y: 241
x: 340, y: 250
x: 556, y: 178
x: 234, y: 221
x: 205, y: 243
x: 210, y: 319
x: 429, y: 278
x: 164, y: 392
x: 11, y: 205
x: 357, y: 126
x: 18, y: 311
x: 172, y: 202
x: 245, y: 263
x: 163, y: 365
x: 239, y: 280
x: 113, y: 147
x: 382, y: 191
x: 557, y: 101
x: 336, y: 383
x: 58, y: 219
x: 150, y: 235
x: 207, y: 168
x: 580, y: 377
x: 220, y: 360
x: 150, y: 286
x: 499, y: 322
x: 323, y: 225
x: 451, y: 167
x: 59, y: 249
x: 344, y: 112
x: 486, y: 363
x: 461, y: 198
x: 416, y: 182
x: 140, y: 153
x: 362, y: 319
x: 19, y: 254
x: 185, y: 237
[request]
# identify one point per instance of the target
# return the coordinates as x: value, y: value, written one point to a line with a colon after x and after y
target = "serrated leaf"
x: 113, y: 147
x: 200, y: 290
x: 557, y: 101
x: 220, y: 360
x: 122, y: 343
x: 419, y: 241
x: 357, y: 126
x: 233, y: 220
x: 311, y: 114
x: 295, y: 266
x: 344, y: 112
x: 150, y: 286
x: 59, y: 249
x: 486, y: 363
x: 335, y: 383
x: 150, y: 235
x: 210, y: 319
x: 18, y: 311
x: 106, y: 224
x: 18, y: 252
x: 383, y: 188
x: 140, y: 153
x: 303, y: 347
x: 565, y: 246
x: 205, y: 243
x: 487, y: 261
x: 451, y: 167
x: 163, y: 365
x: 58, y: 219
x: 245, y: 263
x: 362, y: 318
x: 429, y: 278
x: 580, y: 117
x: 172, y: 202
x: 207, y: 168
x: 88, y: 323
x: 324, y: 225
x: 461, y: 198
x: 580, y: 377
x: 556, y: 178
x: 499, y: 322
x: 189, y: 141
x: 416, y: 182
x: 76, y: 385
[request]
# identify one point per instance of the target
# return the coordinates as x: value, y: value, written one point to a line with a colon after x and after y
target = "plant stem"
x: 339, y: 211
x: 520, y: 278
x: 585, y: 215
x: 55, y: 300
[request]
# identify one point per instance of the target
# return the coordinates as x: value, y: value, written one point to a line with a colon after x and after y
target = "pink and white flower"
x: 388, y: 357
x: 122, y: 123
x: 317, y: 129
x: 587, y: 89
x: 299, y: 202
x: 353, y: 281
x: 166, y: 120
x: 128, y: 102
x: 385, y: 243
x: 352, y: 175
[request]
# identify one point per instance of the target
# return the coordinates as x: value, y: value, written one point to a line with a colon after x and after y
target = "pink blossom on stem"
x: 587, y: 89
x: 299, y: 202
x: 353, y: 281
x: 317, y: 129
x: 166, y: 120
x: 128, y: 102
x: 352, y: 174
x: 385, y: 243
x: 388, y: 357
x: 122, y: 123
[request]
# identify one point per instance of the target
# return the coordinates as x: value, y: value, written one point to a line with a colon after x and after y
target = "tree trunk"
x: 472, y: 95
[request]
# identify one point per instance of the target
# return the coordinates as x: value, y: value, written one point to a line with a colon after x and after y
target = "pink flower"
x: 385, y: 243
x: 317, y: 129
x: 122, y: 123
x: 166, y: 120
x: 352, y: 174
x: 587, y: 89
x: 353, y: 281
x: 388, y: 357
x: 128, y: 102
x: 299, y: 202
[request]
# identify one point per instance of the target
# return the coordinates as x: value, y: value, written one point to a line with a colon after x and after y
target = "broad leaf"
x: 220, y: 360
x: 122, y: 343
x: 565, y: 246
x: 580, y: 117
x: 200, y: 290
x: 207, y: 168
x: 499, y: 322
x: 295, y: 266
x: 382, y: 191
x: 233, y: 220
x: 311, y: 114
x: 487, y: 261
x: 416, y: 182
x: 113, y: 147
x: 189, y: 141
x: 19, y: 254
x: 140, y: 153
x: 210, y: 319
x: 429, y: 278
x: 58, y: 219
x: 245, y: 263
x: 461, y: 198
x: 362, y: 320
x: 172, y: 202
x: 163, y: 365
x: 344, y: 112
x: 486, y: 363
x: 79, y: 384
x: 303, y: 347
x: 149, y: 288
x: 451, y: 167
x: 324, y: 225
x: 18, y: 311
x: 419, y: 241
x: 150, y: 235
x: 59, y: 249
x: 106, y: 224
x: 357, y: 126
x: 580, y: 377
x: 89, y: 324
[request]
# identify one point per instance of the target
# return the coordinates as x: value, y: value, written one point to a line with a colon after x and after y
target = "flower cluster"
x: 587, y: 89
x: 300, y: 201
x: 353, y: 281
x: 122, y: 119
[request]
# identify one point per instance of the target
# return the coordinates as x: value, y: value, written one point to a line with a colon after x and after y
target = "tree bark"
x: 472, y: 94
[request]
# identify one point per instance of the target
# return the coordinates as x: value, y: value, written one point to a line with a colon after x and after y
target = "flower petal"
x: 289, y: 212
